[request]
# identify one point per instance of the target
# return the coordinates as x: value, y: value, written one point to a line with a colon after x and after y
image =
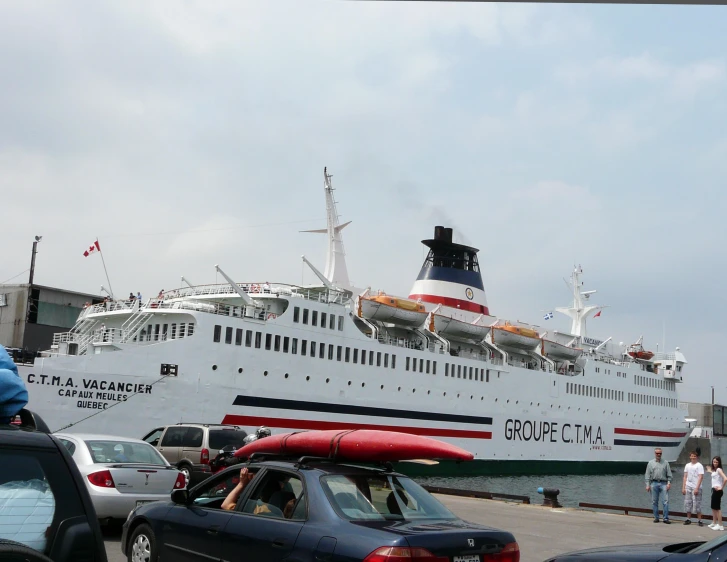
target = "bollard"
x: 550, y: 496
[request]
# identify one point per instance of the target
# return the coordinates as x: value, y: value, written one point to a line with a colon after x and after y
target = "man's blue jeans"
x: 659, y: 493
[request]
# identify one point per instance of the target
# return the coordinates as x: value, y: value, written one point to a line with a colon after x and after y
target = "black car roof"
x: 17, y: 436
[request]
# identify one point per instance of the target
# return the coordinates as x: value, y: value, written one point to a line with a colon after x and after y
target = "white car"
x: 120, y: 472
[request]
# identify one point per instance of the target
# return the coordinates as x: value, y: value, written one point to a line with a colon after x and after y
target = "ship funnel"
x: 450, y: 275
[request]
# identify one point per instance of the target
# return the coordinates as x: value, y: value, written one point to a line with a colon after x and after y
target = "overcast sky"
x: 185, y: 134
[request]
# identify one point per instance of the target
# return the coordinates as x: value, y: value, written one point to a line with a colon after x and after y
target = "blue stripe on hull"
x: 451, y: 275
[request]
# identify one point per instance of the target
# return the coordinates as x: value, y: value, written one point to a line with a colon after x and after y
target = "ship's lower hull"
x: 507, y: 420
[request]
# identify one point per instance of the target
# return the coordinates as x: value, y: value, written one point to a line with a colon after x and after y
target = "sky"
x: 188, y: 134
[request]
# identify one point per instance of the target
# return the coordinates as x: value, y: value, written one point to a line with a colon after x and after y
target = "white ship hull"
x: 373, y: 310
x: 502, y: 413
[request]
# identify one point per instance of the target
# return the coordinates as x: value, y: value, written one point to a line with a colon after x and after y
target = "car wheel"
x: 143, y: 545
x: 187, y: 471
x: 12, y: 551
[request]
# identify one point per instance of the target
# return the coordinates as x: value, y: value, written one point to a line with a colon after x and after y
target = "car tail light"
x: 403, y: 554
x: 181, y: 481
x: 103, y: 479
x: 205, y: 456
x: 511, y: 553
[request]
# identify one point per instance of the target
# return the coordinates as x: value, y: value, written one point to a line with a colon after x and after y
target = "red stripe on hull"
x: 453, y: 303
x: 233, y: 419
x: 629, y: 431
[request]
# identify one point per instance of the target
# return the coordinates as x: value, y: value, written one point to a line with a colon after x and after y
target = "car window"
x: 382, y: 496
x: 153, y: 437
x: 277, y: 495
x: 193, y: 437
x: 27, y: 503
x: 114, y: 451
x: 173, y: 437
x: 213, y: 492
x: 220, y: 438
x: 70, y: 445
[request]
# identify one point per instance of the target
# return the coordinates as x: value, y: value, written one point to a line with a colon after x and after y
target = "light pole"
x: 712, y: 396
x: 32, y: 259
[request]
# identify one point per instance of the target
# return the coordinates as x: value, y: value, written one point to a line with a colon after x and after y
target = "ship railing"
x: 108, y: 306
x: 661, y: 356
x: 253, y: 289
x: 210, y: 307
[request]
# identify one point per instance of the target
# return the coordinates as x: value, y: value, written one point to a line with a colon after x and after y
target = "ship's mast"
x: 336, y: 271
x: 578, y: 312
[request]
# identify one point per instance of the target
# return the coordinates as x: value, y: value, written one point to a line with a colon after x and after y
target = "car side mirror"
x: 180, y: 497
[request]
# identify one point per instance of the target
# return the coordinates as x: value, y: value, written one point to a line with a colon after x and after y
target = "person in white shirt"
x: 692, y: 489
x: 718, y: 482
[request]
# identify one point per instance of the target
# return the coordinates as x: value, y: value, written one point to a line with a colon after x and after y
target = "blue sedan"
x: 309, y: 510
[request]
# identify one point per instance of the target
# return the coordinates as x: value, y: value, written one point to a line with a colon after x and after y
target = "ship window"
x: 378, y: 359
x: 296, y: 314
x: 218, y: 333
x: 312, y: 349
x: 340, y: 323
x: 294, y: 346
x: 363, y: 357
x: 446, y: 369
x: 248, y: 338
x: 487, y: 375
x: 165, y: 329
x: 459, y: 371
x: 304, y: 347
x: 386, y: 360
x: 332, y: 322
x: 414, y: 364
x: 181, y: 329
x: 268, y: 341
x: 330, y: 351
x: 258, y: 339
x: 371, y: 357
x: 321, y: 351
x: 348, y: 354
x: 174, y: 332
x: 148, y: 332
x: 355, y: 355
x: 428, y: 365
x: 238, y: 336
x: 190, y: 329
x: 434, y: 367
x: 393, y: 361
x: 277, y: 343
x: 338, y: 352
x: 228, y: 335
x: 314, y: 318
x: 323, y: 319
x: 470, y: 373
x: 305, y: 316
x: 406, y: 366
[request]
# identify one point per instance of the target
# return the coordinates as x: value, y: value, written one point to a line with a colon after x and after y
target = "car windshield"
x: 220, y: 438
x: 113, y: 451
x: 382, y: 497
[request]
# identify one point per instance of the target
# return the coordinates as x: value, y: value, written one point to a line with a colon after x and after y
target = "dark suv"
x: 45, y: 510
x: 191, y: 446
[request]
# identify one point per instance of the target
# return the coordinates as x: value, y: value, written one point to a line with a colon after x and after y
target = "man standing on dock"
x: 658, y: 482
x: 692, y: 489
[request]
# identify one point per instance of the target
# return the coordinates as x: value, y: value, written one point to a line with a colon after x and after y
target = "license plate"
x: 467, y: 558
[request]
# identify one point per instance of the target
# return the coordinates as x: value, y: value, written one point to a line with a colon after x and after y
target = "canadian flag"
x: 595, y: 316
x: 93, y: 249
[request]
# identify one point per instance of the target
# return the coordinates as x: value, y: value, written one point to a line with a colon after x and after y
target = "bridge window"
x: 305, y: 316
x: 238, y: 336
x: 340, y: 323
x: 446, y: 369
x: 332, y: 322
x: 217, y: 335
x: 312, y: 349
x: 378, y: 357
x: 386, y: 360
x: 393, y: 361
x: 286, y: 344
x: 228, y: 335
x: 338, y: 351
x: 348, y: 354
x: 294, y: 346
x: 268, y: 341
x: 323, y: 319
x: 304, y: 347
x: 248, y: 338
x: 277, y: 343
x: 321, y: 351
x: 296, y: 314
x: 355, y: 355
x: 434, y: 367
x: 330, y: 352
x: 258, y: 339
x: 314, y: 318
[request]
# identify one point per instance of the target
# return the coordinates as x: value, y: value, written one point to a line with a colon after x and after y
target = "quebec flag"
x: 548, y: 316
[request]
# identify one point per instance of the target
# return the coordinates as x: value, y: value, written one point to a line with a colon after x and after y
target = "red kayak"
x: 362, y: 445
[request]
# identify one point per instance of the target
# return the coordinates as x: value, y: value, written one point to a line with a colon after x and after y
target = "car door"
x: 192, y: 532
x: 267, y: 523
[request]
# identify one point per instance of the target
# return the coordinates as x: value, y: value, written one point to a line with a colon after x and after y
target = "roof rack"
x: 209, y: 424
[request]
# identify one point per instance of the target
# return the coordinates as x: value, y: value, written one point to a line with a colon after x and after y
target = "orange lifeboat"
x: 515, y: 336
x: 385, y: 308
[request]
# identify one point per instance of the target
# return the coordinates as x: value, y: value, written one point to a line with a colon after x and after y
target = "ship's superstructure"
x: 437, y: 363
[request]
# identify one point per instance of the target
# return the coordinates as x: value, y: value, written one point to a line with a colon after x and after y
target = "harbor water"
x: 612, y: 489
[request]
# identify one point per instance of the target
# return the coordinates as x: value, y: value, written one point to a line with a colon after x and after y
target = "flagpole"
x: 104, y: 268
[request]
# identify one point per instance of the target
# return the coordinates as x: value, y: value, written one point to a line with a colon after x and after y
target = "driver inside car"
x: 280, y: 497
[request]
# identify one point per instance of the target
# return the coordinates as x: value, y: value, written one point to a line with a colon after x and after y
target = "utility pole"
x: 32, y: 259
x: 712, y: 396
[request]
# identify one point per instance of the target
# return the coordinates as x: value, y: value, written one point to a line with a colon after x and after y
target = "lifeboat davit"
x: 385, y: 308
x: 558, y: 351
x: 515, y: 336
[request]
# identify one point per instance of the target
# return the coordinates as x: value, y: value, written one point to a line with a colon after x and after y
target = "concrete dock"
x: 543, y: 532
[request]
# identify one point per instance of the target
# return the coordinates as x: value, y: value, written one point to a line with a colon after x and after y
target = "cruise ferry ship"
x: 437, y: 363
